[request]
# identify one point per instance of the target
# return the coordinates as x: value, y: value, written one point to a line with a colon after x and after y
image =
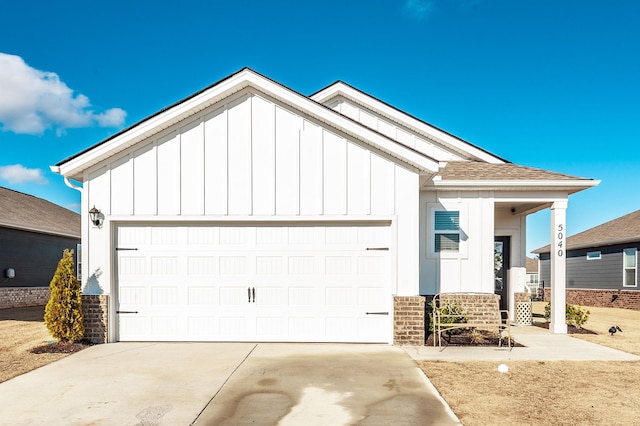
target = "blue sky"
x: 547, y: 84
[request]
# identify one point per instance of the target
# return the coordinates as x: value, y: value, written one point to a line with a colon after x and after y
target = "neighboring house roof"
x: 532, y: 265
x: 475, y: 175
x: 29, y: 213
x: 74, y: 166
x: 625, y: 229
x: 421, y: 127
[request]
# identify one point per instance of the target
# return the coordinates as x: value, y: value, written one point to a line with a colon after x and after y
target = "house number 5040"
x: 560, y: 240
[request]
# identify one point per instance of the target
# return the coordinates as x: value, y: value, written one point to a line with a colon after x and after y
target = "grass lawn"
x: 549, y: 393
x: 23, y: 329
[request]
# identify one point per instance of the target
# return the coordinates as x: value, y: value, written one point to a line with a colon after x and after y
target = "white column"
x: 558, y: 267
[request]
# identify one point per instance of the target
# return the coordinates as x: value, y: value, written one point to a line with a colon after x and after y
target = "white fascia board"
x: 74, y: 167
x: 420, y: 127
x: 155, y: 124
x: 568, y: 185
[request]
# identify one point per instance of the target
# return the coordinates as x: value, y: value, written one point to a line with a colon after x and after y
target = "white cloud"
x: 419, y: 9
x: 33, y: 101
x: 17, y: 173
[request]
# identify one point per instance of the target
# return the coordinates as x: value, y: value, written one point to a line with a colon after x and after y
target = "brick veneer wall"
x: 20, y: 297
x: 522, y: 297
x: 480, y: 308
x: 409, y: 320
x: 96, y: 314
x: 627, y: 299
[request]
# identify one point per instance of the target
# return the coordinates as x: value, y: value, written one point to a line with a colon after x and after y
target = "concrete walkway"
x: 539, y: 345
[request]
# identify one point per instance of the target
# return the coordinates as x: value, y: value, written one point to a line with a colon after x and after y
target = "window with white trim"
x: 594, y: 255
x: 629, y: 272
x: 446, y: 231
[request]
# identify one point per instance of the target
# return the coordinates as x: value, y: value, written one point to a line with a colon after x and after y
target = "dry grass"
x: 539, y: 393
x: 601, y: 319
x: 558, y: 393
x: 21, y: 330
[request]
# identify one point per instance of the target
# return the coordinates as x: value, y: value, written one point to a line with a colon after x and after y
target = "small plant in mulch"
x: 575, y: 315
x: 54, y: 347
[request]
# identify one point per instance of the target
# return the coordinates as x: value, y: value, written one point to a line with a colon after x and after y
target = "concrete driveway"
x: 147, y: 384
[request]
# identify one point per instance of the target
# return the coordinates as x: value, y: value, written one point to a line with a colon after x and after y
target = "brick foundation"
x: 626, y: 299
x: 96, y: 316
x: 409, y: 320
x: 21, y: 297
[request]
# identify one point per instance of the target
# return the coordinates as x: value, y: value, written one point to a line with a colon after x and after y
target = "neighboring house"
x: 533, y: 278
x: 250, y: 212
x: 33, y: 236
x: 602, y: 264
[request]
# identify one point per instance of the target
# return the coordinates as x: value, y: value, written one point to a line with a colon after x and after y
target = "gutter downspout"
x: 56, y: 170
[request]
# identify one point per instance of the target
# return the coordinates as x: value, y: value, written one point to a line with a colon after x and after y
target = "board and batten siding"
x: 375, y: 121
x: 596, y: 274
x: 472, y: 268
x: 254, y: 158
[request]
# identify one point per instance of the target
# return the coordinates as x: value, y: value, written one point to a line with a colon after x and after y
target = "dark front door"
x: 501, y: 266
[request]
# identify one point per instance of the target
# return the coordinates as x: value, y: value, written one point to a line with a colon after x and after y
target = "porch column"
x: 558, y: 267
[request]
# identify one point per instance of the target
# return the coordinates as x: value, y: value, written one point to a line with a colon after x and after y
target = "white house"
x: 249, y: 212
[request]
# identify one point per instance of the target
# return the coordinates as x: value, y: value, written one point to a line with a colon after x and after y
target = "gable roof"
x: 29, y: 213
x: 74, y: 166
x: 414, y: 124
x: 475, y: 175
x: 625, y: 229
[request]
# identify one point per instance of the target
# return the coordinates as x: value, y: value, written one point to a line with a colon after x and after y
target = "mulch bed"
x: 61, y: 347
x: 471, y: 338
x: 571, y: 329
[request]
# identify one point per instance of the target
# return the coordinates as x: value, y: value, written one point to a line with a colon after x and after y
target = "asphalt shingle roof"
x: 474, y: 171
x: 23, y: 211
x: 617, y: 231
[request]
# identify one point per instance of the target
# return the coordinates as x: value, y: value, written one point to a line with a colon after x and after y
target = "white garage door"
x: 254, y: 283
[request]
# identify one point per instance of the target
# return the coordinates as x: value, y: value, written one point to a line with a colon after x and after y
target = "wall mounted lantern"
x: 95, y: 216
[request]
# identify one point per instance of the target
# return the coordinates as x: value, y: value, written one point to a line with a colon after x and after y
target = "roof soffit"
x: 246, y: 78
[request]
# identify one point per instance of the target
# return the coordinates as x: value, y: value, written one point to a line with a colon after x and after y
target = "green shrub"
x: 63, y: 313
x: 452, y: 313
x: 574, y: 315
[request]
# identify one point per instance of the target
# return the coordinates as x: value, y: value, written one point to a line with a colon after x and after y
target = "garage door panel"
x: 312, y: 283
x: 301, y: 296
x: 202, y: 327
x: 234, y: 295
x: 233, y: 265
x: 202, y: 295
x: 202, y: 265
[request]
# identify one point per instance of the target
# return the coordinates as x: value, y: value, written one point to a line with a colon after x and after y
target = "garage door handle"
x: 251, y: 293
x: 377, y: 313
x: 127, y: 312
x: 378, y: 248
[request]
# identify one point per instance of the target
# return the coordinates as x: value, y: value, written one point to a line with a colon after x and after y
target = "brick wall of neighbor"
x: 409, y: 320
x: 96, y: 314
x: 626, y: 299
x: 480, y: 308
x: 21, y: 297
